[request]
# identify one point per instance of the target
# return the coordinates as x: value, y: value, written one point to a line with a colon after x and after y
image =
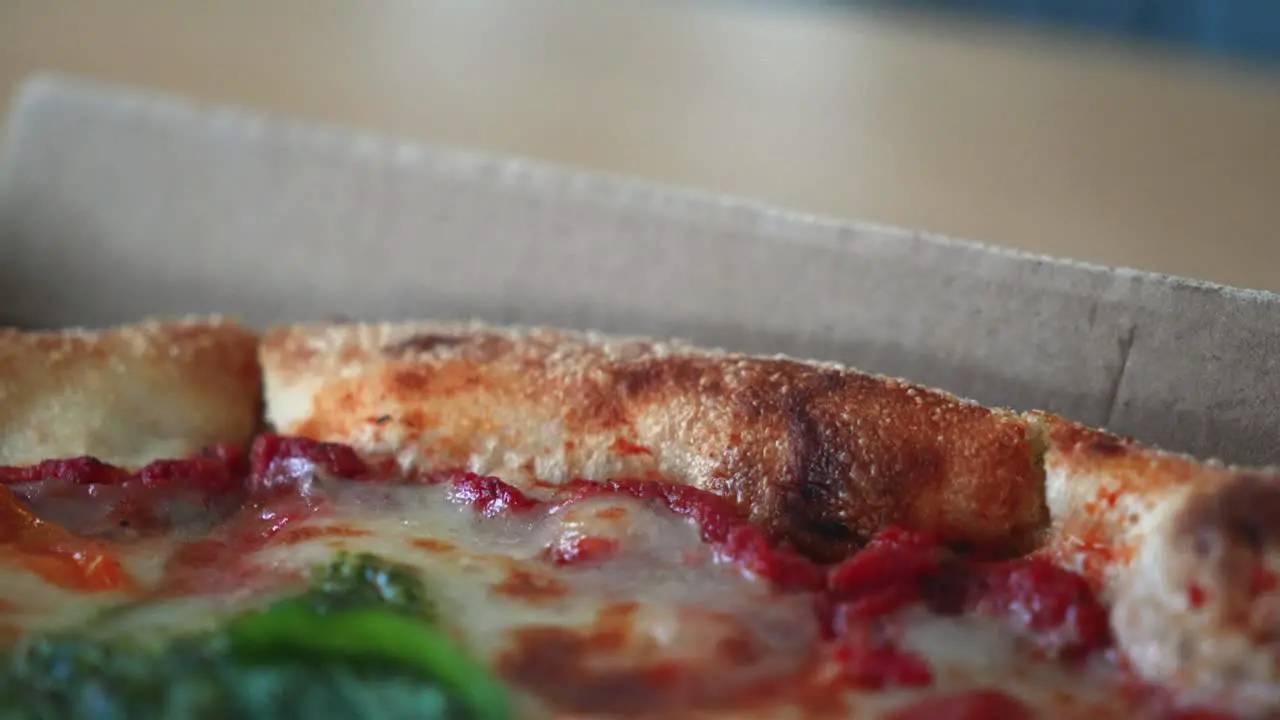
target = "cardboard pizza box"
x: 117, y: 203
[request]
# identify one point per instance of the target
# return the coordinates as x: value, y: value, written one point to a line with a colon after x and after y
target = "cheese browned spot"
x: 820, y: 455
x: 625, y: 661
x: 530, y: 586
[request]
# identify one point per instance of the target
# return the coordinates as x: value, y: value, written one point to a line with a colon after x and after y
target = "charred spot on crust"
x: 819, y: 468
x: 821, y: 465
x: 1244, y: 512
x: 833, y: 531
x: 424, y: 343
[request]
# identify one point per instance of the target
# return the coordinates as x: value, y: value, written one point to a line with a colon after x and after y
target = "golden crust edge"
x: 129, y: 393
x: 297, y: 358
x: 1054, y: 441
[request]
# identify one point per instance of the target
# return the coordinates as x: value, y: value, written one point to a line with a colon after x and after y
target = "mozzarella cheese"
x: 608, y: 605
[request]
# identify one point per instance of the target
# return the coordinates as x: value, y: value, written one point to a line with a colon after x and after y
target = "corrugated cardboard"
x: 117, y: 203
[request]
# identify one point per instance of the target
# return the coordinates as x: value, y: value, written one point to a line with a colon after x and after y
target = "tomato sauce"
x: 217, y: 468
x: 719, y: 523
x: 277, y: 498
x: 489, y: 496
x: 1056, y: 608
x: 869, y: 662
x: 79, y: 470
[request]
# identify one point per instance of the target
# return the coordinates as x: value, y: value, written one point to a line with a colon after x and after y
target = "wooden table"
x: 1067, y: 148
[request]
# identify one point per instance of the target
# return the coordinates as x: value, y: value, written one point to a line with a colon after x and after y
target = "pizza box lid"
x: 116, y: 203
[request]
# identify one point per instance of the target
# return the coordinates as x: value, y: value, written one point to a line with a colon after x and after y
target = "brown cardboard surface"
x: 117, y: 203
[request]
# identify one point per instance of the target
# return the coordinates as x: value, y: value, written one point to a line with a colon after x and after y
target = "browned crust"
x: 1144, y: 469
x: 819, y: 454
x: 158, y: 388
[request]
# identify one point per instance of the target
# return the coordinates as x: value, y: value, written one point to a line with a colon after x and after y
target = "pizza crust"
x: 1192, y: 560
x: 820, y: 455
x: 127, y: 395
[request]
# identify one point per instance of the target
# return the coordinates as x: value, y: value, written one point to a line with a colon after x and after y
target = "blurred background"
x: 1125, y: 132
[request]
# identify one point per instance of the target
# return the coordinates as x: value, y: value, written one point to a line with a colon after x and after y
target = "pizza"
x: 457, y: 520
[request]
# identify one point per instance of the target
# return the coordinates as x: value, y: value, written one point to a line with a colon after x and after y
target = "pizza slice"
x: 459, y: 520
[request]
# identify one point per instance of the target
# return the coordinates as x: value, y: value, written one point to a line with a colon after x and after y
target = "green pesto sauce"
x: 361, y: 642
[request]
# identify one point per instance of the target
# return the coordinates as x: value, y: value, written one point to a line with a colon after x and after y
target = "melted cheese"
x: 591, y: 637
x: 973, y: 651
x: 661, y: 597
